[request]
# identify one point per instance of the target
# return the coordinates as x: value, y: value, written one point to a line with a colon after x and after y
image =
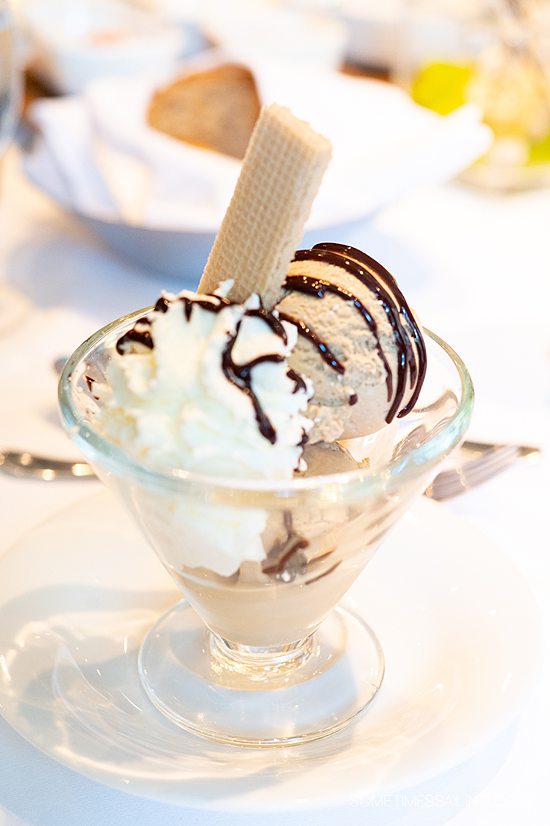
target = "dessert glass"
x: 266, y: 656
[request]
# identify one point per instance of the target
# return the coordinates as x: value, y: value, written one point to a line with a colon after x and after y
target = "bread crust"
x: 215, y: 109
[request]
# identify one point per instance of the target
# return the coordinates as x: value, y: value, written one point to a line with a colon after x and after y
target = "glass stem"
x: 259, y: 663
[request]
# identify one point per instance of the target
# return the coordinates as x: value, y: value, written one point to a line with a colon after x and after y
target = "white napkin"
x: 98, y: 156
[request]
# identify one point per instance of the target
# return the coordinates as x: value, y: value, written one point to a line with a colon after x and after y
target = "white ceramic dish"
x: 372, y: 29
x: 261, y: 29
x: 455, y: 618
x: 159, y: 204
x: 71, y: 43
x: 181, y: 254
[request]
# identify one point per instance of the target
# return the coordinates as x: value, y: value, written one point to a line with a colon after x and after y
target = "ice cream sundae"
x: 253, y: 429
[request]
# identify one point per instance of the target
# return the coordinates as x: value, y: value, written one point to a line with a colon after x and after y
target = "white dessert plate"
x: 455, y: 618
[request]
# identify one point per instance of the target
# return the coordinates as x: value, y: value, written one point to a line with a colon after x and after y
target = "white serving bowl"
x: 372, y: 31
x: 72, y: 43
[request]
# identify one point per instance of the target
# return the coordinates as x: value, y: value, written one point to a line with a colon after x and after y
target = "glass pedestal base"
x: 260, y: 697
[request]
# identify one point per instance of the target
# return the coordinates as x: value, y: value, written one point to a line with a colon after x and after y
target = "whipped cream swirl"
x: 203, y: 385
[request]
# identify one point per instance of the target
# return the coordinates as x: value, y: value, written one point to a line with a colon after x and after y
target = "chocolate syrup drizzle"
x: 139, y: 334
x: 272, y: 321
x: 240, y: 375
x: 306, y: 331
x: 384, y: 286
x: 299, y: 383
x: 163, y: 304
x: 90, y: 385
x: 287, y: 558
x: 319, y: 288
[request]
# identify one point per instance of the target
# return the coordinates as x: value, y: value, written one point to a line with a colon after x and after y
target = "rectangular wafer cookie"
x: 281, y: 174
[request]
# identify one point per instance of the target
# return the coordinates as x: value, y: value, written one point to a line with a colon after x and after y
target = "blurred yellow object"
x: 510, y: 92
x: 441, y: 86
x: 539, y: 152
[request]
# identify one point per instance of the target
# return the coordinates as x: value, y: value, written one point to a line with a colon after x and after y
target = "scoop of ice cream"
x: 204, y: 385
x: 358, y: 341
x: 324, y: 458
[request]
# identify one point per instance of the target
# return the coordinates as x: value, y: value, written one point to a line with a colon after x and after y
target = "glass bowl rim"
x: 90, y: 442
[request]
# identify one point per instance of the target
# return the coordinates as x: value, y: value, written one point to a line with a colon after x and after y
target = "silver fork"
x: 26, y: 465
x: 476, y: 462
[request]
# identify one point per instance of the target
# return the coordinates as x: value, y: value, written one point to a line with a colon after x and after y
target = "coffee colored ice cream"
x: 358, y: 341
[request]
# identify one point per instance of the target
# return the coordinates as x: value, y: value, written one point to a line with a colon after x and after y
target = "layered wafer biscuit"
x: 281, y: 173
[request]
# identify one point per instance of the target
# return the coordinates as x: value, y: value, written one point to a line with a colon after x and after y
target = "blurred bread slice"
x: 215, y: 109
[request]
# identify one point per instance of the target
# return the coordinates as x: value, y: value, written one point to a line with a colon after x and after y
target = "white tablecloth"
x: 476, y: 268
